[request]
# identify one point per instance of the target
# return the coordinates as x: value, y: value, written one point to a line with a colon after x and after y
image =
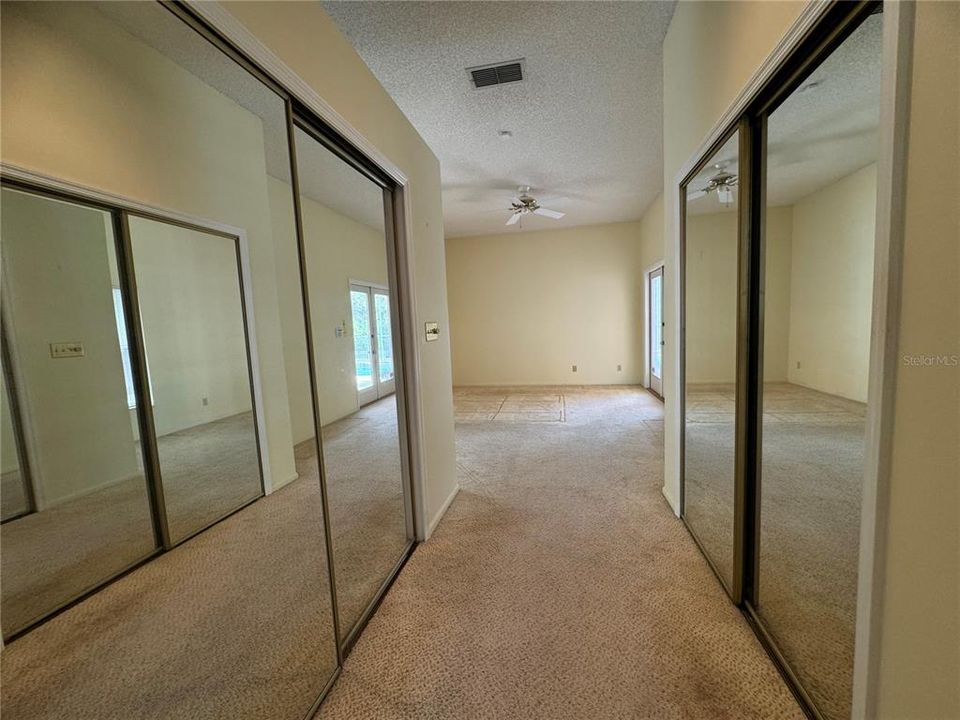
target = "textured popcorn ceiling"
x: 586, y: 120
x: 818, y: 134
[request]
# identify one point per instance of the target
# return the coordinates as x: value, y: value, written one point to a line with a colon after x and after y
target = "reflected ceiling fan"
x: 525, y: 204
x: 722, y: 183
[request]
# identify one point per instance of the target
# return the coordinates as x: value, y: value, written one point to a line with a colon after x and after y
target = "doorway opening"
x: 655, y: 330
x: 372, y: 342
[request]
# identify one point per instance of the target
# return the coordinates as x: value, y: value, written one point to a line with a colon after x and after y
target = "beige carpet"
x: 365, y: 491
x: 51, y: 556
x: 813, y: 452
x: 235, y: 622
x: 559, y: 585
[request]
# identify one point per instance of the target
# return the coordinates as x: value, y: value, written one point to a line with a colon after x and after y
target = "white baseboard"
x: 284, y: 483
x: 92, y: 489
x: 442, y: 511
x: 675, y: 506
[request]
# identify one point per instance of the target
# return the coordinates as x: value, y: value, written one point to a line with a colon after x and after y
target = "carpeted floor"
x: 365, y: 490
x: 812, y: 471
x: 235, y: 622
x: 559, y: 585
x: 51, y: 556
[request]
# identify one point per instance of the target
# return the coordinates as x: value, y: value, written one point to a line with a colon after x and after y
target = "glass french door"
x: 372, y: 342
x: 656, y: 330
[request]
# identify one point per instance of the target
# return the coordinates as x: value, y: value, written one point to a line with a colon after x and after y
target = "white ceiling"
x: 820, y: 133
x: 586, y: 120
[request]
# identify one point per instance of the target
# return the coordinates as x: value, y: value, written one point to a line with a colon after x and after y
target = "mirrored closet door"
x: 778, y: 270
x: 66, y: 358
x: 821, y: 187
x: 710, y: 281
x: 347, y: 256
x: 191, y: 310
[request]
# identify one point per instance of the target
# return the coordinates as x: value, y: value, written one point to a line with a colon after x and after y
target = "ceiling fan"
x: 721, y: 183
x: 525, y: 204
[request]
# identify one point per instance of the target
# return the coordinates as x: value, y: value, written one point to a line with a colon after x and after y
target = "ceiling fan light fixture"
x: 725, y: 195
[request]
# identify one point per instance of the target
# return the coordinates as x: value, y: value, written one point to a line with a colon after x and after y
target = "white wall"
x: 526, y: 306
x: 307, y: 40
x: 832, y: 286
x: 57, y: 288
x: 338, y: 250
x: 191, y: 313
x: 712, y: 296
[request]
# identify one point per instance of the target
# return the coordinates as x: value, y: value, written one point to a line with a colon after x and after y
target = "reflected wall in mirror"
x: 66, y: 334
x: 345, y: 255
x: 821, y: 204
x: 711, y: 243
x: 194, y: 335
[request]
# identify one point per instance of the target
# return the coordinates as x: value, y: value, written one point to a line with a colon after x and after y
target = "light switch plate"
x: 431, y: 331
x: 66, y: 350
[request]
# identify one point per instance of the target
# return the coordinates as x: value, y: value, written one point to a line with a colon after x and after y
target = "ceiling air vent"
x: 487, y: 75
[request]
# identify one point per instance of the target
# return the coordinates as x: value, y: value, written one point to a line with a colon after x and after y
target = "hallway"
x: 559, y: 584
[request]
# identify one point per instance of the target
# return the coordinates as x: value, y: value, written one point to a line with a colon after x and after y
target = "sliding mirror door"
x: 348, y: 270
x: 236, y: 619
x: 710, y: 286
x: 819, y: 257
x: 201, y: 395
x: 65, y: 351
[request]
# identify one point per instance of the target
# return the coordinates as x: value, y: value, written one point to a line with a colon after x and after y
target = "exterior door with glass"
x: 656, y: 330
x: 372, y: 342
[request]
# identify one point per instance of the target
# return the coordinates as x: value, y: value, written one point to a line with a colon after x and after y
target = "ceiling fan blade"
x: 514, y: 219
x: 549, y: 213
x: 696, y: 194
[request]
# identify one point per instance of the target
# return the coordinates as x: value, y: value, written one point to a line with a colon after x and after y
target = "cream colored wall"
x: 651, y: 234
x: 711, y: 289
x: 919, y: 629
x: 710, y: 51
x: 525, y: 307
x: 307, y: 40
x: 712, y: 296
x: 338, y: 250
x: 79, y: 418
x: 832, y: 286
x: 106, y: 111
x: 192, y: 355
